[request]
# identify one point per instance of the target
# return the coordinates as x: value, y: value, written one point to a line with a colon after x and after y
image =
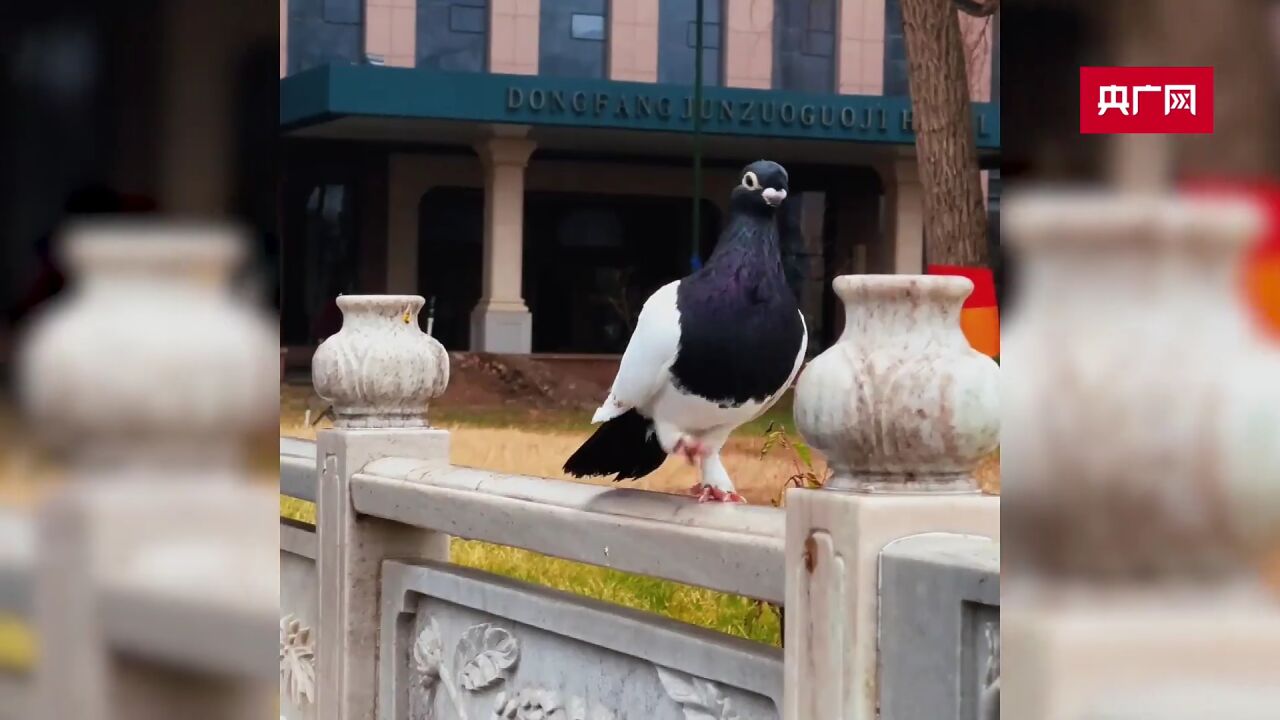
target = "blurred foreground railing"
x: 376, y: 619
x: 143, y: 570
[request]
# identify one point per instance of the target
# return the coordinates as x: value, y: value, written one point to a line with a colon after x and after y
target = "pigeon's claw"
x: 710, y: 494
x: 706, y: 493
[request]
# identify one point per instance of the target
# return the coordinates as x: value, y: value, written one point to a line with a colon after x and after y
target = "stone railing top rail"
x: 638, y: 504
x: 17, y: 562
x: 729, y: 548
x: 298, y: 468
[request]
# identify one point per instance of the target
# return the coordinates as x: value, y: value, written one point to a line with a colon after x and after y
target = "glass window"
x: 323, y: 32
x: 465, y: 19
x: 819, y: 44
x: 343, y: 11
x: 572, y: 38
x: 710, y: 36
x: 678, y: 41
x: 895, y: 51
x: 804, y: 45
x: 453, y: 35
x: 587, y: 27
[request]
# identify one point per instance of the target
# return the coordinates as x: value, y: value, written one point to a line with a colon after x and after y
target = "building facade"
x: 527, y: 163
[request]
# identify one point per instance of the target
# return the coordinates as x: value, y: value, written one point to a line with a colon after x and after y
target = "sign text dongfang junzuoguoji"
x: 332, y: 91
x: 716, y: 113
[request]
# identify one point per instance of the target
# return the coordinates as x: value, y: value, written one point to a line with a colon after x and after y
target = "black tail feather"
x: 625, y: 447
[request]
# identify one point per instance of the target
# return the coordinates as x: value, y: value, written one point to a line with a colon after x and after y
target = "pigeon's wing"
x: 646, y: 364
x: 795, y: 369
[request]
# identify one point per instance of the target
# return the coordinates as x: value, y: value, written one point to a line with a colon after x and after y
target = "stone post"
x: 501, y: 322
x: 903, y: 409
x: 380, y: 372
x: 156, y: 583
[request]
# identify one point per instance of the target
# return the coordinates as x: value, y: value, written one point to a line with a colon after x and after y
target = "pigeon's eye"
x: 750, y: 181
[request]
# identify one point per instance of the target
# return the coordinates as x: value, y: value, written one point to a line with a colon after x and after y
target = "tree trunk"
x: 955, y: 216
x: 1235, y: 38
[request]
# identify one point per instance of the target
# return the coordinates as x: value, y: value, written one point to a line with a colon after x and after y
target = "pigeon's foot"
x: 706, y: 493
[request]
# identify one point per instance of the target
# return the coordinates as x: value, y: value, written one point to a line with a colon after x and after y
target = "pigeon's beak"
x: 774, y: 197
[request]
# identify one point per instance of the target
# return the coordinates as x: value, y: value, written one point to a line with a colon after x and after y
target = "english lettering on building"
x: 646, y: 109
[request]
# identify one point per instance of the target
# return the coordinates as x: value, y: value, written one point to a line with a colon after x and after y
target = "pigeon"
x: 710, y: 352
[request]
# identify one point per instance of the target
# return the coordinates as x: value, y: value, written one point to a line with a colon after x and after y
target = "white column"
x: 501, y: 322
x: 904, y: 215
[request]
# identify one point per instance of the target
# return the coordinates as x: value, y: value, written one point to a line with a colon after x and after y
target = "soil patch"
x: 480, y: 380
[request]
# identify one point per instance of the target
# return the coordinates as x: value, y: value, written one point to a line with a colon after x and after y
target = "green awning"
x: 326, y: 93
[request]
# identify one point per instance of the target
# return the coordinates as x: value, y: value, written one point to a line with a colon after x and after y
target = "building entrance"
x: 590, y: 261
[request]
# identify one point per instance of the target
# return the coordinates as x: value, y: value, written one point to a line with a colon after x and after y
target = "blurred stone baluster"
x: 904, y: 409
x: 157, y: 588
x: 1140, y: 458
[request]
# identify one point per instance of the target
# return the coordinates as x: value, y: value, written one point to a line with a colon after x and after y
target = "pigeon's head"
x: 761, y: 188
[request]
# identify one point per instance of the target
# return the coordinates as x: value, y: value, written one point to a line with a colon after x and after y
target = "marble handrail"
x: 298, y: 468
x: 17, y: 563
x: 732, y: 548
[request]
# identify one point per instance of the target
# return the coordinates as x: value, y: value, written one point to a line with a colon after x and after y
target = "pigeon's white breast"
x: 694, y: 414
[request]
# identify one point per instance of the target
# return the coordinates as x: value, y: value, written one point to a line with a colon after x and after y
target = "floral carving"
x: 989, y: 699
x: 535, y: 703
x: 482, y: 658
x: 427, y: 654
x: 297, y: 661
x: 699, y: 699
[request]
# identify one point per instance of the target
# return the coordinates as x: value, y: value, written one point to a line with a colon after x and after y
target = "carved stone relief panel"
x: 485, y: 648
x: 298, y: 621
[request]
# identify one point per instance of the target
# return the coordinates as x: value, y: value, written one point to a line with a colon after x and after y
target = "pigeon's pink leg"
x: 692, y: 450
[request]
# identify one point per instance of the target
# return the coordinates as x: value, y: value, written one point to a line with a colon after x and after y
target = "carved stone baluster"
x: 380, y: 372
x: 143, y: 378
x: 1141, y: 463
x: 904, y: 410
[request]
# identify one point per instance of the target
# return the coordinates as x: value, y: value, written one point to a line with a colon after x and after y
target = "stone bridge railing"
x: 889, y: 576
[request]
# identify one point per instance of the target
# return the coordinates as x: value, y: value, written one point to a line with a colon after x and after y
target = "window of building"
x: 572, y: 38
x: 324, y: 32
x: 804, y: 45
x: 677, y: 41
x: 587, y: 27
x: 896, y: 80
x: 895, y: 50
x: 453, y: 35
x: 466, y: 19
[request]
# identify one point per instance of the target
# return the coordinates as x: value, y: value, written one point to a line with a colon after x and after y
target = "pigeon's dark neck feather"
x: 747, y: 238
x: 740, y: 328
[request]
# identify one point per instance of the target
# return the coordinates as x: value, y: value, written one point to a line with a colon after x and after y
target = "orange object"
x: 980, y: 317
x: 982, y: 328
x: 1261, y: 271
x: 1262, y: 286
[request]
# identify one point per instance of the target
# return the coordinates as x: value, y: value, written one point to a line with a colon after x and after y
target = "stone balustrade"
x: 901, y: 406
